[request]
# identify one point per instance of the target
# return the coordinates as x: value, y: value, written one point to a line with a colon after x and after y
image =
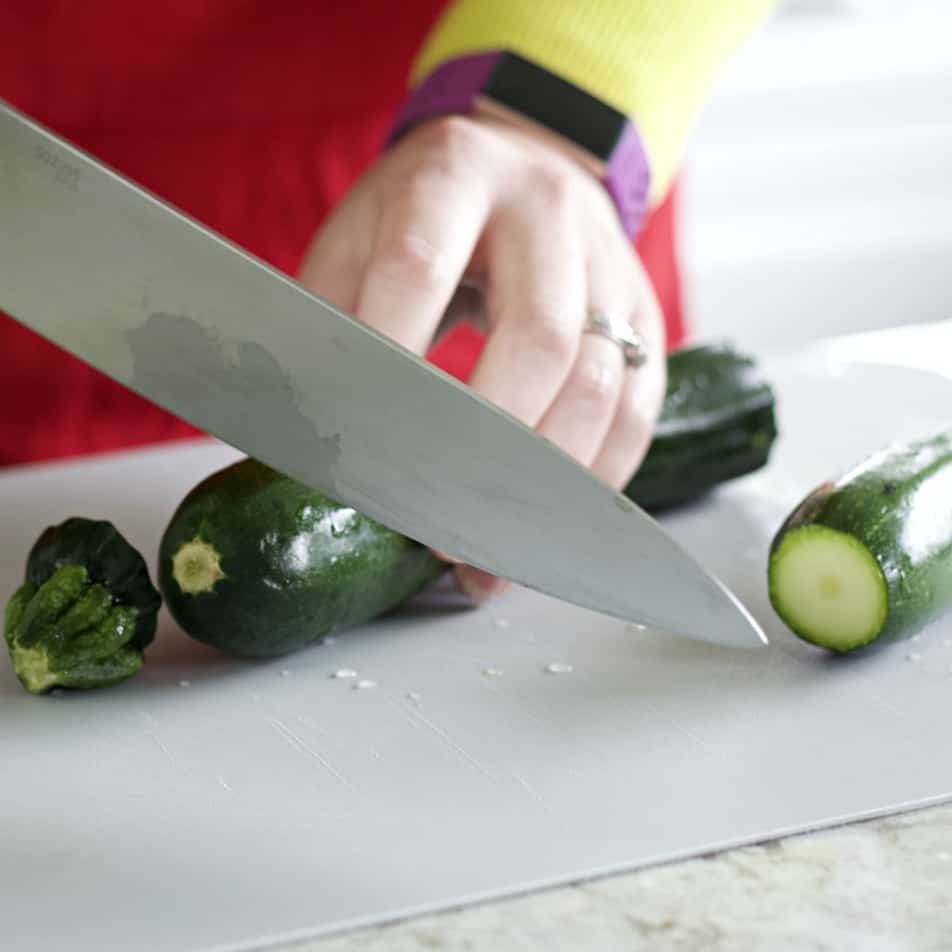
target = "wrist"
x: 506, y: 88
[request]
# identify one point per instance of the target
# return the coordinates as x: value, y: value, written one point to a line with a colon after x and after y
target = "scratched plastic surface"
x: 211, y: 804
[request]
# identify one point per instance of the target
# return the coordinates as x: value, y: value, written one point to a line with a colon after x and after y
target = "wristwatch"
x: 508, y: 86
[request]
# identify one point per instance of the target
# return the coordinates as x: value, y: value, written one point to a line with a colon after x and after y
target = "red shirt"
x: 254, y: 118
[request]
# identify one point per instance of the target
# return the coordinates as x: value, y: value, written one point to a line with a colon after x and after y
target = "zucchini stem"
x: 196, y: 567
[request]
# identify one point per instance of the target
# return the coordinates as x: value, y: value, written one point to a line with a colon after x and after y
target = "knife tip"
x: 737, y: 626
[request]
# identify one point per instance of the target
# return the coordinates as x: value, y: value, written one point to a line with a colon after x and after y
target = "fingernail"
x: 445, y: 557
x: 480, y: 585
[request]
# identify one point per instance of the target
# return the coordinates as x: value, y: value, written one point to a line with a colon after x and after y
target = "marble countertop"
x: 878, y: 886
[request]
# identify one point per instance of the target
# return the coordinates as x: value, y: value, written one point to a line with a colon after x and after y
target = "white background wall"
x: 818, y: 184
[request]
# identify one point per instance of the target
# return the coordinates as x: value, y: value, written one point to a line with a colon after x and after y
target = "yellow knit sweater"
x: 654, y: 60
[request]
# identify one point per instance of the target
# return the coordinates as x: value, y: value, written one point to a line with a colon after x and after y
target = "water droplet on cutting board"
x: 913, y: 656
x: 501, y: 622
x: 493, y: 672
x: 365, y: 685
x: 634, y: 627
x: 285, y: 672
x: 343, y: 674
x: 414, y: 696
x: 558, y: 667
x: 185, y: 684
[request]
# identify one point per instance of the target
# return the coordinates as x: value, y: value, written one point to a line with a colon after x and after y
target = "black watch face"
x: 555, y: 103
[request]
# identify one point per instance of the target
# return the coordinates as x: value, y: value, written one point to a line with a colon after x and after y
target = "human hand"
x: 464, y: 198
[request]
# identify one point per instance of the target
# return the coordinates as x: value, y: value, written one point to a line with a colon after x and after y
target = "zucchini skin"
x: 717, y: 422
x: 290, y: 564
x: 898, y: 504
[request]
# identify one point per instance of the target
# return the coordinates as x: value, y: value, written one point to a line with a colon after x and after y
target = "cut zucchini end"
x: 33, y: 669
x: 196, y: 567
x: 828, y: 588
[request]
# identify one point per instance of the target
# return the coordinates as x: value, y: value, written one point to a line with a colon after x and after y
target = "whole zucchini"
x: 85, y: 612
x: 868, y: 557
x: 717, y: 422
x: 256, y: 564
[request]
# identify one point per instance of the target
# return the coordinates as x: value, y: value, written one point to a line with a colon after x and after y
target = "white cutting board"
x: 264, y: 802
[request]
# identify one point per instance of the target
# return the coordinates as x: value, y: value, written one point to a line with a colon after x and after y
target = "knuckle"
x: 550, y: 337
x: 553, y: 185
x: 409, y: 258
x: 595, y: 381
x: 445, y: 158
x: 451, y: 141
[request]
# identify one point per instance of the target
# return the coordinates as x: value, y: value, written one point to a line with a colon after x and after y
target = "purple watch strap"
x: 628, y: 179
x: 456, y: 85
x: 451, y: 88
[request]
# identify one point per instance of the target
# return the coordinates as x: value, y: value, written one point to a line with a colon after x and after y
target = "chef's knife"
x: 200, y: 327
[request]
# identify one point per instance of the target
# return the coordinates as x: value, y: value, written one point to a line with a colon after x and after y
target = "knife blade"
x: 197, y: 325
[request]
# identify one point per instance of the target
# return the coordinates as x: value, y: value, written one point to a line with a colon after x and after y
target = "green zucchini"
x: 85, y: 612
x: 867, y: 558
x: 256, y: 564
x: 717, y: 422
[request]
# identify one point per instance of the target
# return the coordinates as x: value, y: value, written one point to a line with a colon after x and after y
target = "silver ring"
x: 620, y: 332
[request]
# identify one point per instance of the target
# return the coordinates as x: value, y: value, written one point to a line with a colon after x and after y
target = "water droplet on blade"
x: 185, y: 684
x: 414, y: 696
x: 501, y: 622
x: 559, y: 667
x: 365, y: 685
x: 493, y: 672
x: 913, y: 656
x: 344, y: 673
